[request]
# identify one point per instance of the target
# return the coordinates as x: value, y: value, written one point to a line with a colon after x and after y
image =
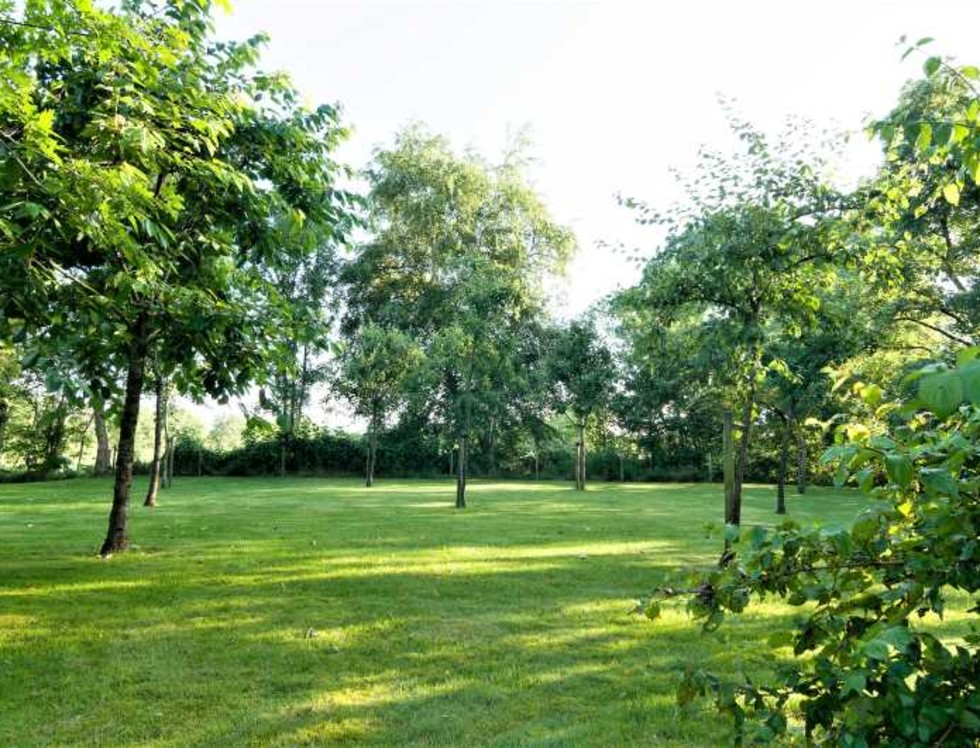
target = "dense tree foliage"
x: 153, y: 181
x: 457, y: 259
x: 881, y: 668
x: 171, y: 225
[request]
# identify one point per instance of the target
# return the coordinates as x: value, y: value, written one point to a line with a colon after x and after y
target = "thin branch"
x: 934, y: 328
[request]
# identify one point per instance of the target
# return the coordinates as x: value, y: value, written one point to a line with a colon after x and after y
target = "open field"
x: 309, y: 611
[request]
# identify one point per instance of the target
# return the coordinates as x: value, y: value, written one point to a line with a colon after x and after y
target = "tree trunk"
x: 743, y: 458
x: 117, y: 537
x: 103, y: 452
x: 159, y: 418
x: 622, y: 469
x: 81, y: 446
x: 4, y: 417
x: 461, y: 472
x: 168, y: 462
x: 372, y: 452
x: 200, y: 461
x: 536, y: 470
x: 166, y: 472
x: 728, y: 465
x: 783, y: 464
x: 492, y: 450
x: 801, y: 462
x: 580, y: 456
x: 452, y: 462
x: 282, y: 456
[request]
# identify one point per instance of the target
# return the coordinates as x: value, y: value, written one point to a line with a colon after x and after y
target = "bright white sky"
x: 613, y: 93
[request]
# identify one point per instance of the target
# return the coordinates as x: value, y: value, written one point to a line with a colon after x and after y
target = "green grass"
x: 308, y: 611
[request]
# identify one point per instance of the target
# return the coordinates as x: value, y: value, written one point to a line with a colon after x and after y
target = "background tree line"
x: 179, y: 230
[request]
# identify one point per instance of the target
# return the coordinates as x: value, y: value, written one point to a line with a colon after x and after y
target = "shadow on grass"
x: 308, y: 612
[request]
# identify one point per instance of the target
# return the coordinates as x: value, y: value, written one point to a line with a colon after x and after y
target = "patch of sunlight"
x: 100, y: 586
x: 344, y: 730
x: 558, y: 675
x: 557, y: 550
x: 548, y: 640
x: 16, y: 628
x: 605, y: 607
x: 385, y: 689
x: 331, y: 638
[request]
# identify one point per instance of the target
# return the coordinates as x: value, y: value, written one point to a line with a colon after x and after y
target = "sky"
x: 613, y: 94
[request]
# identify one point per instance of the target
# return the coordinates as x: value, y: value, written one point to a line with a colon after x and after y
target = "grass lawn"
x: 311, y: 611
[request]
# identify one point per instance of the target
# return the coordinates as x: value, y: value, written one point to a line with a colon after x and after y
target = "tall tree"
x: 746, y: 254
x: 152, y: 177
x: 583, y: 373
x: 456, y: 260
x: 375, y: 373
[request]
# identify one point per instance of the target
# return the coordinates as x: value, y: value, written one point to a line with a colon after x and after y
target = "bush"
x: 874, y: 676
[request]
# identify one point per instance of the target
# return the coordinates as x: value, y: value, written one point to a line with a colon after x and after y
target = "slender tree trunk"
x: 801, y: 462
x: 103, y: 452
x: 461, y: 472
x: 622, y: 469
x: 168, y: 463
x: 580, y: 456
x: 728, y: 465
x: 452, y: 462
x: 117, y: 537
x: 159, y: 418
x: 492, y: 449
x: 372, y: 450
x: 787, y: 436
x: 4, y: 417
x: 200, y: 461
x: 743, y: 457
x: 536, y: 467
x: 81, y: 446
x: 282, y: 456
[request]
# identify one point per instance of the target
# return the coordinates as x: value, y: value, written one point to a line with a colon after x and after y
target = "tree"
x: 874, y: 677
x: 456, y: 261
x: 583, y: 373
x: 151, y: 180
x: 874, y: 674
x: 746, y: 255
x: 375, y: 371
x: 225, y: 433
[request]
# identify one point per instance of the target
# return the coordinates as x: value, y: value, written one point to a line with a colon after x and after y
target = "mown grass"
x: 310, y: 611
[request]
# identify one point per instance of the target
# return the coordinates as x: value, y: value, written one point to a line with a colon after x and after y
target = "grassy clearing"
x: 308, y: 611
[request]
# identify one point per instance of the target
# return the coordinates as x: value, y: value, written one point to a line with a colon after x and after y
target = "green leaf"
x: 854, y: 682
x: 958, y: 133
x: 938, y: 482
x: 932, y: 65
x: 966, y: 355
x: 952, y: 193
x: 780, y: 639
x: 942, y: 393
x: 882, y: 442
x: 898, y: 637
x: 871, y: 394
x: 899, y: 469
x: 970, y: 376
x: 970, y: 71
x: 924, y: 139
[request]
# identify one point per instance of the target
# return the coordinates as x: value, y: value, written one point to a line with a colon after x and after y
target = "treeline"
x: 181, y: 230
